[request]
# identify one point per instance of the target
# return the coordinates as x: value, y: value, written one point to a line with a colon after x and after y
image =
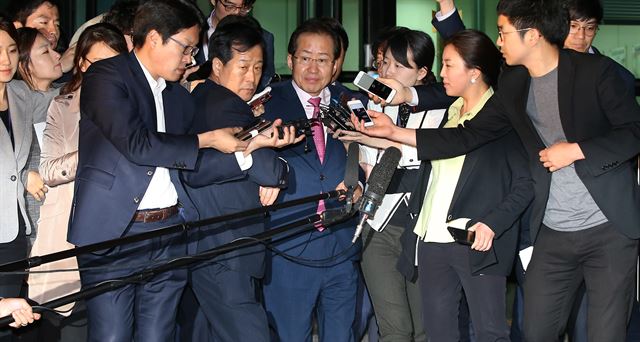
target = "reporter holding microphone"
x: 487, y: 190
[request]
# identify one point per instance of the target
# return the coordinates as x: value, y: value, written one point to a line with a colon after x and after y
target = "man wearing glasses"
x: 223, y: 8
x: 132, y: 143
x: 296, y: 291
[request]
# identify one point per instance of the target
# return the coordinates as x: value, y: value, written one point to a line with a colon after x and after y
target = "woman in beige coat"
x: 58, y: 167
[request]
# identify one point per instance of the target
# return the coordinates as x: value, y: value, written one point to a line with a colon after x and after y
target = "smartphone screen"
x: 374, y: 86
x: 360, y: 112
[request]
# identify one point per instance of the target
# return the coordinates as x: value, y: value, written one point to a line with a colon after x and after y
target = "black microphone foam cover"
x: 352, y: 166
x: 380, y: 178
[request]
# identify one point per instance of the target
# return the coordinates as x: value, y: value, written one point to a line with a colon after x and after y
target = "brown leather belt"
x: 155, y: 215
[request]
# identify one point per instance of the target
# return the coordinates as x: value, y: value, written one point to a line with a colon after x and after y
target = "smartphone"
x: 463, y: 236
x: 260, y: 98
x: 372, y: 86
x: 361, y: 113
x: 254, y: 129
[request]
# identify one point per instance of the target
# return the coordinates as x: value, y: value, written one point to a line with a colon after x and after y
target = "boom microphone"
x: 377, y: 186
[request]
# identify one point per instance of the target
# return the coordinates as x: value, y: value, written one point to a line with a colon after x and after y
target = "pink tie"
x: 318, y: 139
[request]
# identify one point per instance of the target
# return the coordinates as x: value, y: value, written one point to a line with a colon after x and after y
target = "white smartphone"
x: 361, y: 113
x: 372, y: 86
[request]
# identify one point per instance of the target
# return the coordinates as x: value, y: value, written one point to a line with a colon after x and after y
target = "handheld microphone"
x: 377, y: 186
x: 351, y: 172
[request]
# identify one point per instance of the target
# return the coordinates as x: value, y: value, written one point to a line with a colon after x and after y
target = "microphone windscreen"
x: 352, y: 166
x: 383, y: 171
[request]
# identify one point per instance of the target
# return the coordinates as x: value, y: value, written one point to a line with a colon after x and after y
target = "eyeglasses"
x: 501, y: 34
x: 188, y: 49
x: 589, y: 29
x: 243, y: 10
x: 321, y: 62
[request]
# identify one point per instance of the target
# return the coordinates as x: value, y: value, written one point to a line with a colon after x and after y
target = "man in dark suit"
x: 132, y: 143
x: 296, y: 291
x: 223, y: 8
x: 226, y: 286
x: 580, y: 125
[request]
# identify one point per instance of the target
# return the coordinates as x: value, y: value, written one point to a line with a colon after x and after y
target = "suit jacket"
x: 494, y: 188
x: 597, y: 110
x: 119, y: 148
x: 219, y: 108
x: 449, y: 26
x: 14, y: 160
x: 58, y: 170
x: 307, y: 176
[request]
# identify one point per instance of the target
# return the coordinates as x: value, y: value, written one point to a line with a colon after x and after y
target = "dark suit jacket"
x: 119, y: 148
x: 450, y: 26
x: 597, y: 110
x: 307, y: 176
x: 494, y: 188
x: 219, y: 108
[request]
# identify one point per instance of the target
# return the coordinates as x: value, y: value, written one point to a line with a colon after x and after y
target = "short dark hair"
x: 478, y: 52
x: 237, y: 33
x: 22, y: 9
x: 549, y: 17
x: 314, y: 26
x: 337, y: 27
x: 382, y: 39
x: 7, y: 26
x: 167, y: 17
x: 26, y: 38
x: 421, y: 47
x: 121, y: 15
x: 585, y: 10
x: 98, y: 33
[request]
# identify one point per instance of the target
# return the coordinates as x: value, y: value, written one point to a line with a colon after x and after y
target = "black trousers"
x: 444, y: 273
x: 601, y: 257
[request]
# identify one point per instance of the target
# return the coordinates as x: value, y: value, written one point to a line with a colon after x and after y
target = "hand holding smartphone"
x: 372, y: 86
x: 360, y: 112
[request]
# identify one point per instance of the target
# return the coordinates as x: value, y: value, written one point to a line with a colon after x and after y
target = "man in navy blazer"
x: 225, y: 286
x: 132, y: 141
x: 296, y: 291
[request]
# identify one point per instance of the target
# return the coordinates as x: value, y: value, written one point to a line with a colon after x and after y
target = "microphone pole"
x: 73, y: 252
x: 145, y: 275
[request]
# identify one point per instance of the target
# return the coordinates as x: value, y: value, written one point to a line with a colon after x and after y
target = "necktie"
x: 318, y: 140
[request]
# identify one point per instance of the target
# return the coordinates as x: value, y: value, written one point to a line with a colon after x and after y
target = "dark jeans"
x: 137, y: 311
x: 444, y: 271
x: 601, y: 257
x: 10, y: 284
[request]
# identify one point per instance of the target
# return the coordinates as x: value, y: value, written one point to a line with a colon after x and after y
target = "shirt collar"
x: 456, y: 107
x: 156, y: 86
x: 325, y: 95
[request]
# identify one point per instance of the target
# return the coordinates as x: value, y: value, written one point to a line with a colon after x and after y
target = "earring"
x: 473, y: 80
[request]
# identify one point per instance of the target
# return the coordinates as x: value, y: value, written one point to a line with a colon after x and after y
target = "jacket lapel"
x: 20, y: 123
x: 147, y: 108
x: 566, y: 75
x: 296, y: 113
x: 470, y: 161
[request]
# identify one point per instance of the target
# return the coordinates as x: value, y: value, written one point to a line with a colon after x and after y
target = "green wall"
x: 622, y: 43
